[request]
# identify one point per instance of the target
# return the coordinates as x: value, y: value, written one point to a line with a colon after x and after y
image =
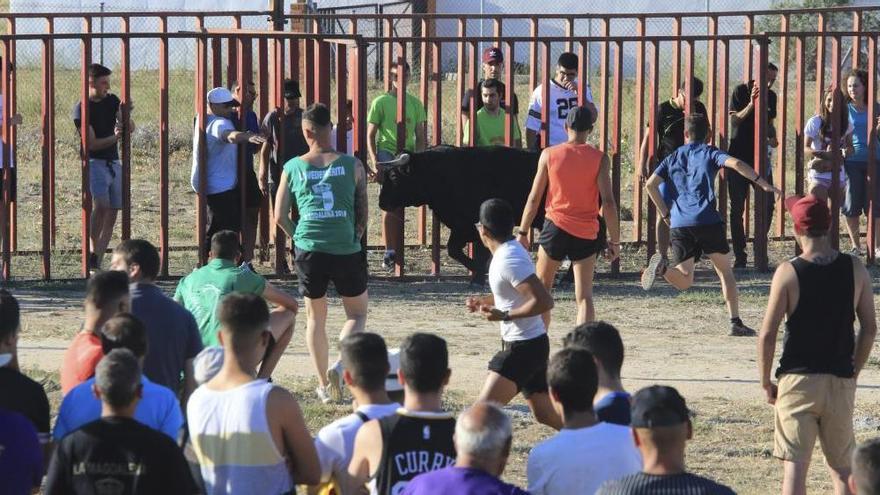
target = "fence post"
x: 400, y: 234
x: 839, y: 106
x: 653, y: 89
x: 782, y: 127
x: 638, y: 132
x: 872, y: 145
x: 201, y: 152
x: 438, y: 93
x: 263, y: 76
x: 85, y: 122
x: 48, y: 148
x: 6, y: 155
x: 164, y: 241
x: 12, y: 232
x: 760, y: 157
x: 125, y: 117
x: 615, y: 137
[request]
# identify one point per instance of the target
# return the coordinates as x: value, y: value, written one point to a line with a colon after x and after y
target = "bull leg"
x: 481, y: 263
x: 455, y: 248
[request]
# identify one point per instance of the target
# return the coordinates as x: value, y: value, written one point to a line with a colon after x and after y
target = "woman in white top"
x: 817, y: 146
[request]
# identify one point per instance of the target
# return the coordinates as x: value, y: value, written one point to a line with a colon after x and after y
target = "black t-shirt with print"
x: 670, y: 127
x: 102, y: 118
x: 120, y: 456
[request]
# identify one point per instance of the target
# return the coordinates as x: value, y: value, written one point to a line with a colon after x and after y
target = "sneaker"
x: 334, y: 382
x: 656, y: 266
x: 323, y: 396
x: 740, y: 262
x: 93, y: 262
x: 876, y: 254
x: 739, y: 329
x: 388, y: 262
x: 857, y: 252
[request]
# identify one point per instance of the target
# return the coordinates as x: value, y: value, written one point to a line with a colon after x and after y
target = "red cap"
x: 809, y: 213
x: 492, y: 54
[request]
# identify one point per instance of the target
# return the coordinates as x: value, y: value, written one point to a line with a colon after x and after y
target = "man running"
x: 328, y: 193
x: 574, y: 176
x: 696, y: 228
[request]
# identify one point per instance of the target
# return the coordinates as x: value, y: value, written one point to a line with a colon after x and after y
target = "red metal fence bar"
x: 872, y: 147
x: 85, y: 122
x: 125, y: 117
x: 164, y: 240
x: 12, y: 228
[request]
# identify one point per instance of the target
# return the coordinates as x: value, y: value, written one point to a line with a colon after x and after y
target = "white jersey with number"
x: 561, y: 100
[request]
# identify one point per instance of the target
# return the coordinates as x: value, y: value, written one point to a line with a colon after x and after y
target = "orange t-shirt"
x: 573, y: 188
x: 80, y: 360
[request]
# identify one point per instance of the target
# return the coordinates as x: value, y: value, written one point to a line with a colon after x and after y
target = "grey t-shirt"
x: 675, y: 484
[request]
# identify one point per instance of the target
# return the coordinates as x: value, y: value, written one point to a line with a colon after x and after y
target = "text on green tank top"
x: 325, y: 200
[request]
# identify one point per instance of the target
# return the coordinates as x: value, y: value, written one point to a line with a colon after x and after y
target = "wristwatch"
x: 506, y: 316
x: 522, y: 232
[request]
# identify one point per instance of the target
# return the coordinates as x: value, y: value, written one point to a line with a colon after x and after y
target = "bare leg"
x: 852, y: 228
x: 839, y: 480
x: 543, y: 410
x: 721, y: 262
x: 546, y: 269
x: 794, y: 478
x: 498, y: 389
x: 391, y: 225
x: 681, y: 276
x: 110, y: 216
x: 249, y: 233
x: 662, y: 237
x: 281, y: 324
x: 96, y: 224
x: 316, y: 336
x: 583, y: 289
x: 355, y: 314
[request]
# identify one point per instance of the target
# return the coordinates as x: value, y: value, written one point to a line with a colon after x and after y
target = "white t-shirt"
x: 335, y: 442
x: 562, y: 100
x: 511, y: 266
x: 349, y: 143
x: 811, y: 130
x: 222, y: 156
x: 579, y: 461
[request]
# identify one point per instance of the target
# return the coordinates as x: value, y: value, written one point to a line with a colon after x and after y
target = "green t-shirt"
x: 200, y: 292
x: 325, y: 200
x: 383, y: 113
x: 490, y: 129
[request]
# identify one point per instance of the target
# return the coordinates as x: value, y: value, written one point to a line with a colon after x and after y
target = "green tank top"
x: 325, y: 199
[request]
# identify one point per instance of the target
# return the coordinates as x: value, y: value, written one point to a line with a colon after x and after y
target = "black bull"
x: 454, y: 182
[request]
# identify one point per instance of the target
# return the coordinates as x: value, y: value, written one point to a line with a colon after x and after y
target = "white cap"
x: 207, y: 364
x: 392, y: 384
x: 221, y: 95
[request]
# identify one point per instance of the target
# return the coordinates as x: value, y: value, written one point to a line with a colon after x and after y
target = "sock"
x: 389, y: 253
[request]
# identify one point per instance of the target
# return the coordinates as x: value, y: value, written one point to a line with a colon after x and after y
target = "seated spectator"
x: 106, y: 295
x: 491, y: 118
x: 865, y: 476
x: 20, y: 393
x: 21, y: 461
x: 172, y: 334
x: 661, y: 426
x: 200, y: 292
x: 612, y: 402
x: 483, y: 436
x: 157, y: 406
x: 117, y: 454
x: 248, y: 435
x: 365, y: 367
x: 421, y: 429
x: 585, y: 453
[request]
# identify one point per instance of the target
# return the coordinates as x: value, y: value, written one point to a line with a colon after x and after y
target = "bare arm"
x: 609, y: 208
x: 360, y: 200
x: 242, y: 137
x: 538, y: 300
x: 737, y: 116
x: 749, y: 173
x: 652, y: 187
x: 364, y: 459
x: 303, y: 461
x: 96, y: 143
x: 866, y: 316
x: 372, y: 150
x: 643, y: 157
x: 263, y: 174
x: 777, y: 306
x: 533, y: 202
x: 282, y: 207
x: 280, y: 298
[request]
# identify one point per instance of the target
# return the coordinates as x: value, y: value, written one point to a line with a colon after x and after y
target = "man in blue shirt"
x: 157, y: 408
x: 696, y: 228
x: 611, y: 402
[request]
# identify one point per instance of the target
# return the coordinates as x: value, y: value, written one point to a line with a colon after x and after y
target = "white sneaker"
x: 334, y: 382
x: 323, y: 396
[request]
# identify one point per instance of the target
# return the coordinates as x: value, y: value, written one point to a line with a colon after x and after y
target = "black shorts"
x: 315, y: 271
x: 254, y: 197
x: 524, y: 362
x: 692, y: 242
x: 559, y: 244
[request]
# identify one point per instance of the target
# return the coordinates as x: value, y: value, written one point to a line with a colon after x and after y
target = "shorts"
x: 692, y: 242
x: 315, y: 270
x: 524, y: 362
x: 814, y: 405
x: 254, y: 197
x: 559, y: 244
x: 824, y: 178
x: 105, y: 181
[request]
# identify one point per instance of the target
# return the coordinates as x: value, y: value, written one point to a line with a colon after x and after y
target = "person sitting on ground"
x: 612, y: 402
x: 157, y: 408
x: 483, y: 436
x: 696, y: 228
x: 421, y: 429
x: 21, y: 461
x: 249, y: 435
x: 200, y: 292
x: 106, y: 295
x: 116, y: 453
x: 865, y: 476
x: 586, y: 452
x: 661, y: 427
x: 365, y: 368
x: 172, y: 333
x: 20, y: 393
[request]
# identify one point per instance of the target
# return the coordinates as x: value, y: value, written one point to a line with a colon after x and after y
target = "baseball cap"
x: 207, y: 364
x: 809, y: 213
x: 492, y: 54
x: 579, y: 119
x: 219, y: 96
x: 291, y: 89
x: 658, y: 405
x: 392, y: 384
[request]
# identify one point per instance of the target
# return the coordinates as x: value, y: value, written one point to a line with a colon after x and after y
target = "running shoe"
x: 335, y: 386
x: 323, y: 396
x: 739, y: 329
x: 656, y: 266
x: 388, y: 262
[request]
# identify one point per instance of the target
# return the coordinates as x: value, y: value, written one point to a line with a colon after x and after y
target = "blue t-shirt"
x: 158, y: 409
x: 461, y: 481
x: 21, y: 460
x: 614, y: 408
x: 689, y: 173
x: 860, y: 135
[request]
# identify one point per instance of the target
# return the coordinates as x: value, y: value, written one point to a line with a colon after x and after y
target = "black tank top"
x: 819, y: 335
x: 413, y: 443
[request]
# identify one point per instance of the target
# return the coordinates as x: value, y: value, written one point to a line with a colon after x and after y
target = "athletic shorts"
x: 315, y: 271
x: 254, y: 197
x: 524, y: 362
x: 559, y: 244
x: 105, y: 181
x: 692, y: 242
x: 810, y: 406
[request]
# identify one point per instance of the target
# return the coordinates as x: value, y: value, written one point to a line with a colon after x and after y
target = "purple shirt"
x: 461, y: 481
x: 21, y: 460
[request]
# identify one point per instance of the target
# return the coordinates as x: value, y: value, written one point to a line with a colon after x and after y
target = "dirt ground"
x: 670, y: 338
